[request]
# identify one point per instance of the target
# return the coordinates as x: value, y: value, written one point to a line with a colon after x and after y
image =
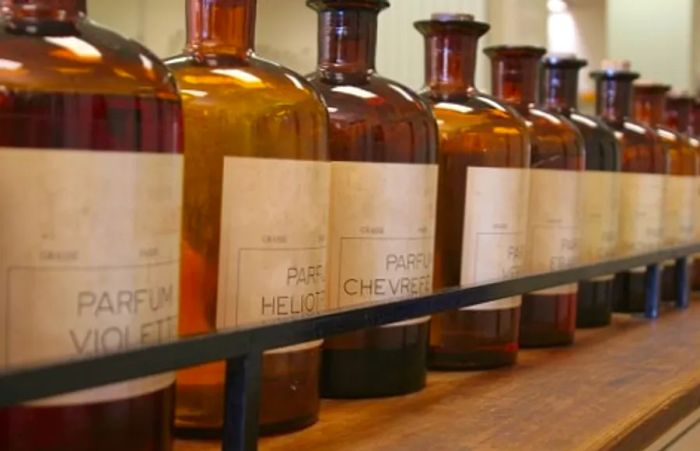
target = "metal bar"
x: 652, y: 290
x: 242, y: 403
x: 682, y: 282
x: 21, y: 385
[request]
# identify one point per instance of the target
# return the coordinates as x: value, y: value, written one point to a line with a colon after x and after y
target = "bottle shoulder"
x: 552, y: 125
x: 79, y: 56
x: 376, y: 99
x: 476, y: 113
x: 233, y: 74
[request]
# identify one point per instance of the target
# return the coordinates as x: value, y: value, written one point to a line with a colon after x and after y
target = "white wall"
x: 656, y: 36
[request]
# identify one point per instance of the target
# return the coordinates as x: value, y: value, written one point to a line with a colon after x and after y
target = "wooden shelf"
x: 617, y: 388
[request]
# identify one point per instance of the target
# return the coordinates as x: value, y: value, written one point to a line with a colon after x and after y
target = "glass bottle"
x: 469, y: 122
x: 679, y: 118
x: 383, y: 143
x: 695, y: 136
x: 548, y: 318
x: 650, y: 109
x: 255, y: 211
x: 602, y: 154
x: 90, y: 132
x: 641, y: 153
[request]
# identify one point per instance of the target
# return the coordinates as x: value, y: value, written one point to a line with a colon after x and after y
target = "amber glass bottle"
x: 560, y: 94
x: 548, y: 318
x: 383, y: 143
x: 641, y: 153
x: 650, y: 109
x: 90, y: 129
x: 679, y: 117
x: 469, y: 122
x: 255, y: 210
x: 694, y: 132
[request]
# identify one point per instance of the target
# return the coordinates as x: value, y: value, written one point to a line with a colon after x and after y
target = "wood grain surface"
x: 617, y: 388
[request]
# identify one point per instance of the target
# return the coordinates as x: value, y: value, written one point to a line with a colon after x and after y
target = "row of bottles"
x: 272, y: 230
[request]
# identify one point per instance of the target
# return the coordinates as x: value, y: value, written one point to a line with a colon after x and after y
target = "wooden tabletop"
x: 617, y: 388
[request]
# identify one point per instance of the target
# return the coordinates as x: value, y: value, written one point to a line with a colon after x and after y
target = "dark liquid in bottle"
x: 476, y: 339
x: 377, y: 362
x: 595, y: 298
x: 548, y: 320
x: 630, y: 292
x: 97, y: 123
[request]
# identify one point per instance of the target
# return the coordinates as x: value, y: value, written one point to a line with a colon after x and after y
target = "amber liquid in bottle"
x: 650, y: 108
x: 56, y: 97
x: 641, y: 153
x: 372, y: 120
x: 237, y: 105
x: 469, y: 122
x: 595, y: 297
x: 547, y: 319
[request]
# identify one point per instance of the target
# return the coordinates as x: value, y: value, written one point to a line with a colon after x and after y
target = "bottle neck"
x: 613, y: 99
x: 347, y: 41
x: 649, y: 107
x: 450, y: 61
x: 221, y: 26
x: 678, y: 115
x: 515, y: 79
x: 560, y: 88
x: 55, y: 10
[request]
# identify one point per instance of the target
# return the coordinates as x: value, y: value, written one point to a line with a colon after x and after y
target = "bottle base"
x: 474, y: 339
x: 139, y: 424
x: 548, y: 320
x: 630, y: 292
x: 379, y: 362
x: 594, y: 304
x: 290, y: 398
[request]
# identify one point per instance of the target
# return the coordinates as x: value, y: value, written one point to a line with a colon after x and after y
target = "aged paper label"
x: 382, y: 232
x: 90, y: 259
x: 274, y: 226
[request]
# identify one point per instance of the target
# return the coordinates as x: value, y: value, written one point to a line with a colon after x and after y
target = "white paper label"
x: 90, y: 259
x: 600, y: 199
x: 495, y: 229
x: 678, y: 210
x: 641, y: 212
x: 274, y: 226
x: 553, y: 236
x: 382, y: 231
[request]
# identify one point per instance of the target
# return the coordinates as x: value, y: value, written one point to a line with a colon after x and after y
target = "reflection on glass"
x: 641, y: 197
x: 87, y: 136
x: 599, y: 198
x: 252, y: 133
x: 476, y: 131
x: 383, y: 143
x: 548, y: 317
x: 650, y: 109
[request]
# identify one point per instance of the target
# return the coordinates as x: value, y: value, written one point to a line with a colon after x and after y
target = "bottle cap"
x: 452, y: 17
x: 615, y: 65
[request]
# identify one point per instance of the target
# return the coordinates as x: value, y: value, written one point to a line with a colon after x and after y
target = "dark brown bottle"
x: 650, y: 109
x: 679, y: 117
x: 548, y: 318
x: 383, y: 143
x: 641, y: 153
x: 695, y: 136
x: 90, y: 129
x: 560, y: 94
x: 469, y: 122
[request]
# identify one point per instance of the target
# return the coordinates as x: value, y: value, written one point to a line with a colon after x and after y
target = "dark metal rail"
x: 242, y: 348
